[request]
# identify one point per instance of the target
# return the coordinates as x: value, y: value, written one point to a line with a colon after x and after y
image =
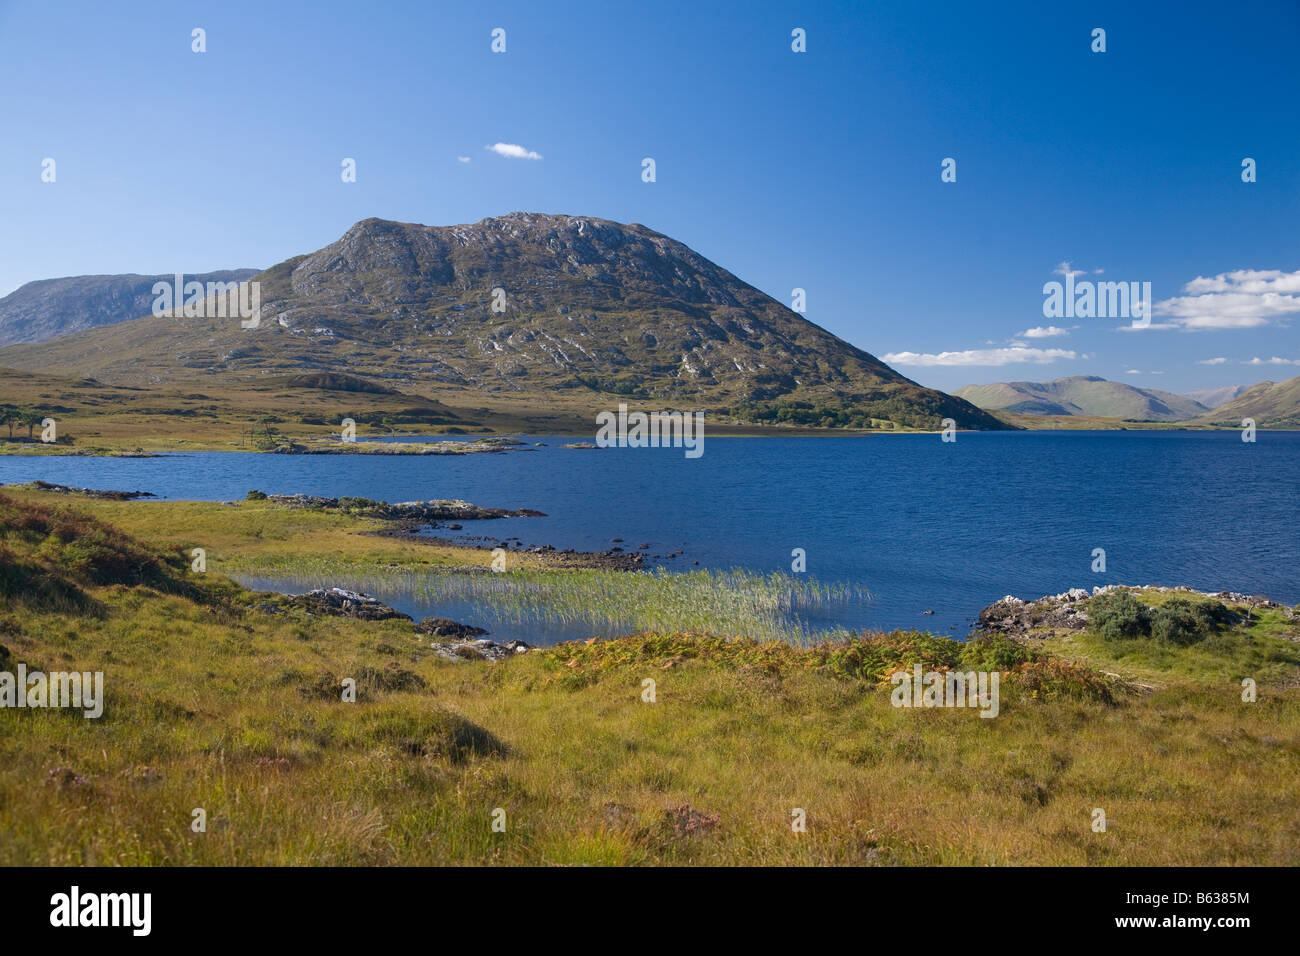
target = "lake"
x: 921, y: 524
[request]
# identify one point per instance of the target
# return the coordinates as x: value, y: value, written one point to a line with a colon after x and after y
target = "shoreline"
x: 443, y: 443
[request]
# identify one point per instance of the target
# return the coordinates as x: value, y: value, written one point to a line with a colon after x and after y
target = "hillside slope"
x: 1270, y: 404
x: 1083, y: 395
x: 590, y: 309
x: 1214, y: 397
x: 49, y: 308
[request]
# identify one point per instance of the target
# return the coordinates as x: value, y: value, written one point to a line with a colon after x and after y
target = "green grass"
x: 212, y: 704
x: 1264, y: 646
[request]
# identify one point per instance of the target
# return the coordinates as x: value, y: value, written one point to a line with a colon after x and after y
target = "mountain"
x: 1083, y: 395
x: 588, y: 309
x: 1270, y: 404
x: 1214, y: 397
x: 49, y: 308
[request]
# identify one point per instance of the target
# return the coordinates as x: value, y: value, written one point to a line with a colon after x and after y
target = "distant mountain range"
x: 1084, y: 395
x: 1214, y: 397
x: 527, y: 305
x: 49, y: 308
x: 1270, y: 404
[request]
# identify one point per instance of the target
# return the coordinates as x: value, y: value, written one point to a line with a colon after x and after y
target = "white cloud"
x: 1245, y: 299
x: 1133, y: 371
x: 1063, y: 269
x: 513, y: 151
x: 1214, y: 361
x: 1272, y: 361
x: 462, y: 159
x: 1004, y: 356
x: 1153, y: 327
x: 1042, y: 332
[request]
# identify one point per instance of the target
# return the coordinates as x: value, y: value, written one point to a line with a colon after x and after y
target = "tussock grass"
x: 215, y: 705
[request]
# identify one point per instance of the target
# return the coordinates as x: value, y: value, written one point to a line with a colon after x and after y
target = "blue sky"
x: 818, y: 170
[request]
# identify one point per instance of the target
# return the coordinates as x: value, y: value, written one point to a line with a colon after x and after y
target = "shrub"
x: 1183, y: 621
x: 994, y: 652
x: 876, y: 657
x: 255, y: 495
x: 1052, y: 679
x: 1119, y: 616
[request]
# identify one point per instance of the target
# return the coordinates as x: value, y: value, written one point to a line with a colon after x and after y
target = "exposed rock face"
x: 446, y: 627
x: 339, y: 602
x: 528, y: 303
x: 49, y: 308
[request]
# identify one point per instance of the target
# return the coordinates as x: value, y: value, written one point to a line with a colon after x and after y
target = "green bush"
x: 994, y: 652
x: 1182, y: 621
x: 1119, y: 616
x: 1054, y: 679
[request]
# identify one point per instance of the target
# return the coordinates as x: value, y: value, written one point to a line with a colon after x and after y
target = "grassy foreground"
x: 212, y: 703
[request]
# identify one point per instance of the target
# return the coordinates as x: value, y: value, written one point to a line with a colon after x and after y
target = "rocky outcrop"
x: 1067, y: 611
x: 447, y: 628
x: 339, y: 602
x: 106, y: 495
x: 1011, y: 615
x: 479, y: 650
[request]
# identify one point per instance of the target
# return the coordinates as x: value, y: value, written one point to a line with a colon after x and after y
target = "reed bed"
x: 773, y: 606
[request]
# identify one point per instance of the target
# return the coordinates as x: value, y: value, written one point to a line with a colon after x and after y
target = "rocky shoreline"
x: 553, y: 558
x: 1021, y: 620
x: 416, y: 511
x: 452, y: 640
x: 102, y: 494
x: 473, y: 447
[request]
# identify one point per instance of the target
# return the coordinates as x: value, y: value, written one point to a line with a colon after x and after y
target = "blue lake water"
x: 921, y: 524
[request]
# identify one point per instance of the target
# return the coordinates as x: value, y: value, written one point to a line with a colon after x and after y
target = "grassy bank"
x: 232, y: 415
x: 212, y: 703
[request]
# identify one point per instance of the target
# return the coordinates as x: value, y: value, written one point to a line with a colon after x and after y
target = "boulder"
x: 446, y: 627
